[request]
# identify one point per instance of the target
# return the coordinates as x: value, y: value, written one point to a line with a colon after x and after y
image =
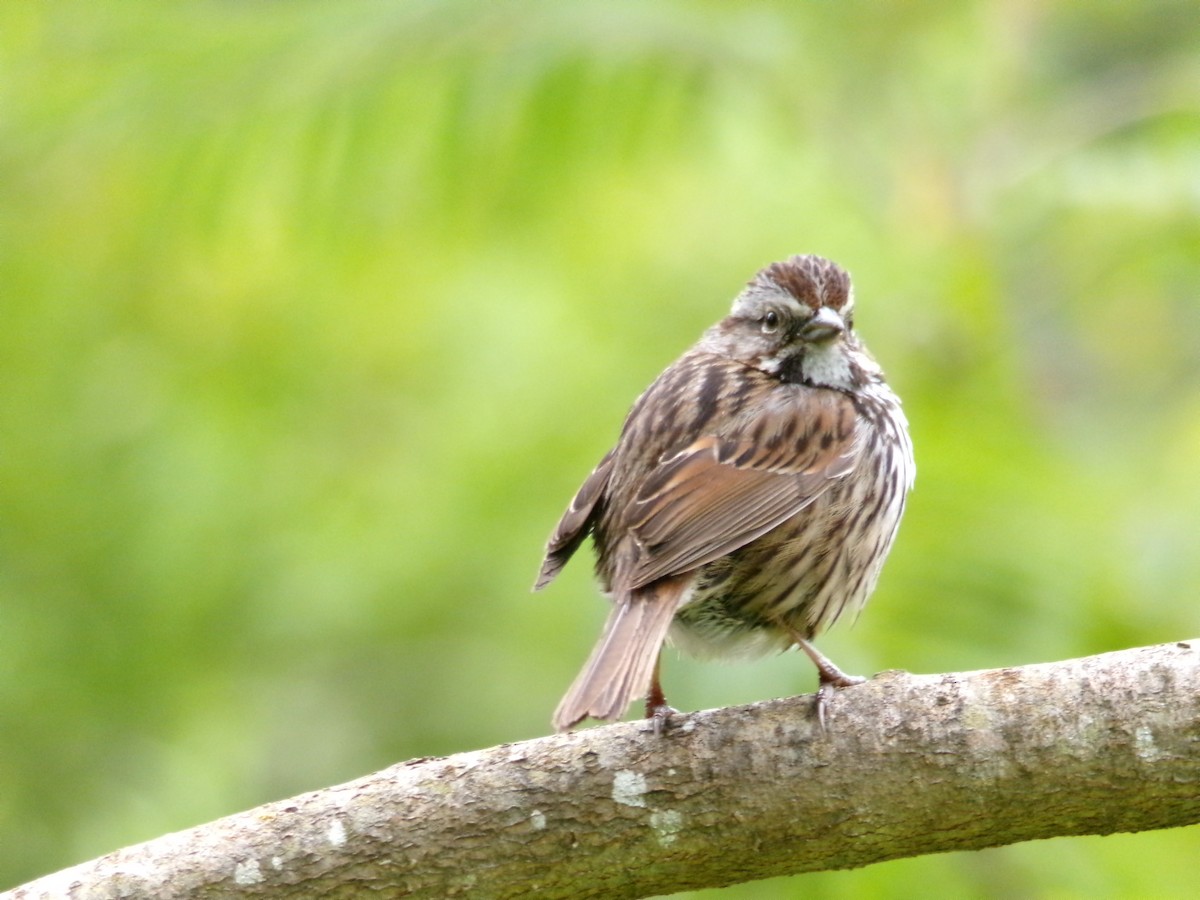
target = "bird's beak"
x: 824, y: 326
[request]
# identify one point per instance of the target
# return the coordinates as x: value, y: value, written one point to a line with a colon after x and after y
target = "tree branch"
x: 911, y: 764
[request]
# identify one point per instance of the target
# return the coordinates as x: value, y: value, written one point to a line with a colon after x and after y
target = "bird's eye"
x: 770, y: 322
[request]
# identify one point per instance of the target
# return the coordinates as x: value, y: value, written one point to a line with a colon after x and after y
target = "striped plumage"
x: 752, y: 497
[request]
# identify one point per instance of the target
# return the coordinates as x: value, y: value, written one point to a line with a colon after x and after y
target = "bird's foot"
x: 826, y: 691
x: 657, y: 710
x: 831, y: 678
x: 658, y: 716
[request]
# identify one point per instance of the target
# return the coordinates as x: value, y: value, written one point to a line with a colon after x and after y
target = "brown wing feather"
x: 721, y: 493
x: 575, y: 523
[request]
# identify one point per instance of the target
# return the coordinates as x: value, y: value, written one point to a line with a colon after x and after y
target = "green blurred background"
x: 314, y: 315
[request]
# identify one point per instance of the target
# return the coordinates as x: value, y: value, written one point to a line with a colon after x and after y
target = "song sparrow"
x: 752, y: 496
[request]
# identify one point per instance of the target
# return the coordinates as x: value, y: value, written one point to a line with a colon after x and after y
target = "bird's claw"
x: 828, y: 688
x: 658, y: 715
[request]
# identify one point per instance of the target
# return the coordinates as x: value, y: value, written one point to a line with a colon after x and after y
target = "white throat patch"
x: 828, y: 365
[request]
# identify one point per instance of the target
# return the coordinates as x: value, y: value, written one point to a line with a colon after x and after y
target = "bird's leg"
x: 656, y: 702
x: 828, y: 674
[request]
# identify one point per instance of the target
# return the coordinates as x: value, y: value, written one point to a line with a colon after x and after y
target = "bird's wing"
x: 721, y: 492
x: 575, y: 523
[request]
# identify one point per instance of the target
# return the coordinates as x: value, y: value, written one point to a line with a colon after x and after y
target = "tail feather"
x: 621, y: 666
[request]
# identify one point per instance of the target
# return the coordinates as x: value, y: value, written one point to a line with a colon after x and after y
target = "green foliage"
x: 315, y: 314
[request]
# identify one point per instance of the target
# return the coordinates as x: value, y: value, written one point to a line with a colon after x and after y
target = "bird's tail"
x: 621, y: 666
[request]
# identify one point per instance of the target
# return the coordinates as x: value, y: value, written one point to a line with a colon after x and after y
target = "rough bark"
x: 910, y: 764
